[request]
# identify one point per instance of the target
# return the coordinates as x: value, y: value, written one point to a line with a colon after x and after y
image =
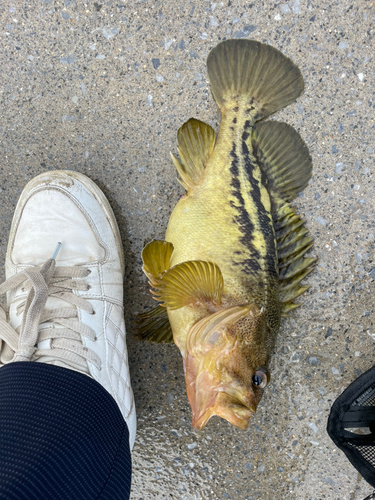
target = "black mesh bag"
x: 351, y: 425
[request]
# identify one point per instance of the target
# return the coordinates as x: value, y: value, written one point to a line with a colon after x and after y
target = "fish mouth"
x: 226, y: 407
x: 209, y: 396
x: 211, y: 388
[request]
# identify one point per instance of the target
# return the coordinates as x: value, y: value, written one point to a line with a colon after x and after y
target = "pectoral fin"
x: 196, y: 142
x: 190, y: 283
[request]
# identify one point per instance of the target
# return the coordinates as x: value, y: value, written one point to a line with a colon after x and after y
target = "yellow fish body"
x: 233, y: 256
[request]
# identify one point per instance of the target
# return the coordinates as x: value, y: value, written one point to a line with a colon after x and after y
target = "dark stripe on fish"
x: 243, y: 219
x: 265, y: 221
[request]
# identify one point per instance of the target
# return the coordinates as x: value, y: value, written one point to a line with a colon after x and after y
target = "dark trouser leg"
x: 62, y: 436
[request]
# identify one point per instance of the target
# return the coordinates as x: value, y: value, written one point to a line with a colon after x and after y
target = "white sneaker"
x: 65, y: 302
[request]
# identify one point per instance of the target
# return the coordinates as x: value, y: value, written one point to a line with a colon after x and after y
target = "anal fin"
x: 196, y: 142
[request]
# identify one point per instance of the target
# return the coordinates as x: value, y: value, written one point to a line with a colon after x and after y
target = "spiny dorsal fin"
x: 196, y: 142
x: 297, y: 268
x: 292, y: 244
x: 154, y: 326
x: 249, y: 73
x: 195, y: 282
x: 156, y: 257
x: 284, y: 158
x: 288, y: 258
x: 289, y: 307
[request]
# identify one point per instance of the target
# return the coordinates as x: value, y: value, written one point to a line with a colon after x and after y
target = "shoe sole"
x: 94, y: 190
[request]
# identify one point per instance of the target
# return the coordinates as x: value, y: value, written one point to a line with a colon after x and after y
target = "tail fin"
x: 250, y: 73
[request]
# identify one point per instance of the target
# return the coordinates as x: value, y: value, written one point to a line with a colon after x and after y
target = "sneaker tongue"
x: 56, y: 303
x: 52, y: 303
x: 50, y: 360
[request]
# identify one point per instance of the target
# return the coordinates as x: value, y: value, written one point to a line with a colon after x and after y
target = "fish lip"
x: 200, y: 422
x: 200, y: 418
x: 238, y: 415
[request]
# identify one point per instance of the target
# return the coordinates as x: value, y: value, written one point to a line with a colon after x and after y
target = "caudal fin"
x: 247, y: 73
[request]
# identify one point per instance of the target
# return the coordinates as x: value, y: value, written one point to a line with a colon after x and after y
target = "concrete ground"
x: 101, y: 88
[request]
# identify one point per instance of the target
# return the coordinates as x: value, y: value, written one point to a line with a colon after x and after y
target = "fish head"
x: 226, y: 365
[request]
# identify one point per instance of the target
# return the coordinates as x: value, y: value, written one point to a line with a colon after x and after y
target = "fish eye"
x: 261, y: 377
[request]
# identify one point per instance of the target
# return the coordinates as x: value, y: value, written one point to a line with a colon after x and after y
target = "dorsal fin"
x: 284, y: 158
x: 191, y: 283
x: 292, y: 244
x: 196, y: 142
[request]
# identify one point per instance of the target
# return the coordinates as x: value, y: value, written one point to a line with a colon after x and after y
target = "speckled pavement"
x: 101, y: 88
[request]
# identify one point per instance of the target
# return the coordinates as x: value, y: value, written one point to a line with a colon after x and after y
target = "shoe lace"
x: 60, y: 326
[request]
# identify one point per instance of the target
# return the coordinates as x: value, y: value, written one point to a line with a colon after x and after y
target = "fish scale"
x: 255, y: 261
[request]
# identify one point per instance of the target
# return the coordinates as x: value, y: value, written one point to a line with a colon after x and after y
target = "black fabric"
x: 355, y: 410
x: 62, y: 436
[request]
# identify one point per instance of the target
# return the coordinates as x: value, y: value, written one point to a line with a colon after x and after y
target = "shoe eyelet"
x: 94, y: 312
x: 88, y: 272
x: 88, y: 287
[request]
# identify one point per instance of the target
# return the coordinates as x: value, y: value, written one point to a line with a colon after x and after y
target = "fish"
x: 233, y: 257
